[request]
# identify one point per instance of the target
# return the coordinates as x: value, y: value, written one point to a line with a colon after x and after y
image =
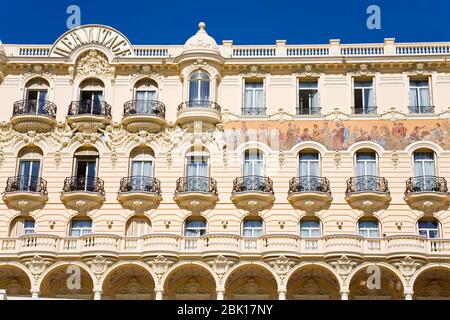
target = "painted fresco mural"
x: 338, y: 135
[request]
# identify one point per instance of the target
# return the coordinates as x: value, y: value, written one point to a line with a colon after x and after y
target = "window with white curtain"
x: 142, y: 163
x: 369, y: 228
x: 309, y: 165
x: 363, y: 97
x: 80, y: 228
x: 310, y: 228
x: 36, y: 95
x: 254, y: 98
x: 429, y: 228
x: 29, y: 169
x: 308, y: 97
x: 145, y: 96
x: 138, y: 226
x: 194, y: 227
x: 424, y: 170
x: 22, y: 226
x: 253, y: 163
x: 252, y: 228
x: 197, y: 171
x: 199, y: 86
x: 419, y: 96
x: 366, y: 171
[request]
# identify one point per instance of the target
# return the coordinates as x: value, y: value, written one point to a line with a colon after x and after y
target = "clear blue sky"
x: 244, y: 21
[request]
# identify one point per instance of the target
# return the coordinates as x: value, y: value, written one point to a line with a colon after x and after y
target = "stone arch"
x: 432, y: 282
x: 366, y: 145
x: 313, y: 281
x: 299, y: 147
x: 413, y: 147
x: 190, y: 281
x: 16, y: 279
x: 240, y: 150
x: 53, y: 283
x: 20, y: 144
x: 251, y: 281
x: 392, y: 287
x: 128, y: 280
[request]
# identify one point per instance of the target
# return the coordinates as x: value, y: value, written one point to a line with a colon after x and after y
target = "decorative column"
x: 159, y: 295
x: 34, y: 294
x: 220, y: 295
x: 97, y: 295
x: 282, y: 295
x: 344, y: 295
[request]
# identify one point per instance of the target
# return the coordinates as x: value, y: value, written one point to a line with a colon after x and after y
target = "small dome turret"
x: 201, y: 42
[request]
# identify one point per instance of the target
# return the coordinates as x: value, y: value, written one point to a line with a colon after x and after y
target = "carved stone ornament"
x: 343, y: 266
x: 2, y: 156
x: 221, y: 265
x: 395, y: 159
x: 282, y: 266
x: 37, y: 266
x: 420, y: 69
x: 281, y: 159
x: 57, y: 159
x: 445, y: 115
x: 160, y: 265
x: 337, y: 116
x: 94, y: 63
x: 337, y: 159
x: 228, y: 116
x: 407, y: 267
x: 393, y: 115
x: 99, y: 265
x: 282, y: 116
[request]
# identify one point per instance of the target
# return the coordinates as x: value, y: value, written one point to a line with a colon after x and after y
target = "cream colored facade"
x: 201, y: 111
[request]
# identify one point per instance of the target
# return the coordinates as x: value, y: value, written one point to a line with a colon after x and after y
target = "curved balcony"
x: 427, y: 193
x: 83, y: 194
x: 33, y: 115
x: 310, y: 194
x: 38, y: 244
x: 144, y: 115
x: 87, y: 115
x: 139, y: 193
x: 421, y: 109
x: 368, y: 193
x: 208, y: 112
x: 25, y: 194
x: 253, y: 193
x: 196, y: 194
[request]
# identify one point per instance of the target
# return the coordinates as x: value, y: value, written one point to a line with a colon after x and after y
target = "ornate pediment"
x: 94, y: 64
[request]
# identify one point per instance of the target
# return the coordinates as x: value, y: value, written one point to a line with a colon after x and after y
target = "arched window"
x: 309, y: 164
x: 197, y: 171
x: 366, y: 171
x: 369, y: 228
x: 138, y: 226
x: 199, y: 86
x: 36, y: 94
x: 29, y: 169
x: 310, y: 228
x: 424, y: 171
x: 80, y: 227
x: 194, y: 227
x: 253, y: 163
x: 91, y: 96
x: 22, y: 226
x: 252, y: 228
x: 428, y: 228
x: 85, y: 169
x: 142, y: 163
x: 146, y: 95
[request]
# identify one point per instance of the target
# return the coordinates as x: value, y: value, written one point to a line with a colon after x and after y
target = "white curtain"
x: 138, y: 227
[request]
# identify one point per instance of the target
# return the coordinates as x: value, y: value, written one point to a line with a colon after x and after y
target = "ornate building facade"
x: 207, y: 171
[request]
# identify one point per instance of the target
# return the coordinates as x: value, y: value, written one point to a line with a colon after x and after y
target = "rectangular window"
x: 310, y: 229
x: 254, y: 98
x: 253, y: 228
x: 420, y: 97
x: 368, y: 229
x: 36, y: 101
x: 363, y: 97
x: 80, y: 228
x: 28, y: 227
x: 195, y: 228
x: 308, y: 98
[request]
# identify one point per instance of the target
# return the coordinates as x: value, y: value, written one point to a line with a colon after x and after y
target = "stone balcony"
x: 253, y: 193
x: 428, y: 194
x: 196, y: 194
x: 144, y: 115
x: 25, y: 194
x: 83, y: 194
x: 225, y: 244
x: 206, y: 112
x: 368, y: 193
x: 88, y: 115
x: 34, y: 115
x: 310, y: 194
x: 139, y: 193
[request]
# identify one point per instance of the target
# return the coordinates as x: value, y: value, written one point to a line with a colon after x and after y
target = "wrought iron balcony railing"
x: 367, y: 184
x: 90, y: 107
x: 199, y: 104
x: 145, y: 107
x: 426, y: 184
x: 421, y: 109
x: 26, y: 184
x: 254, y: 111
x: 140, y: 184
x: 309, y: 184
x: 88, y: 184
x: 365, y: 110
x: 253, y: 183
x: 309, y: 111
x: 34, y: 107
x: 196, y: 184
